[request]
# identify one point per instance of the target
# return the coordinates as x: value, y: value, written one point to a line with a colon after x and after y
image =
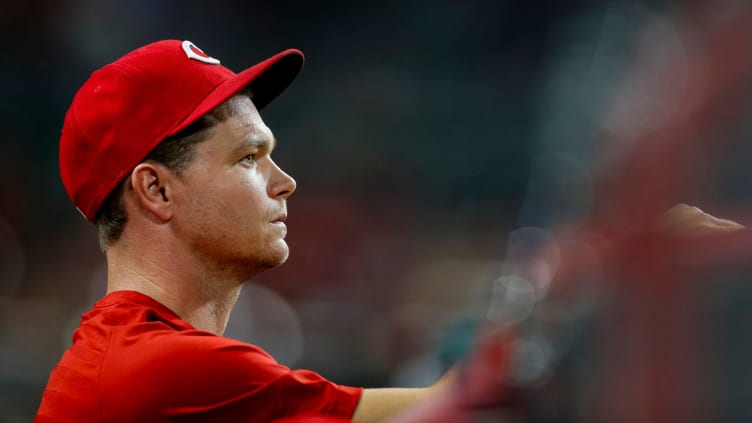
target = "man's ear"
x: 152, y: 184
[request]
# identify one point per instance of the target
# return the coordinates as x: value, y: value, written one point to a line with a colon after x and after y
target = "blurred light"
x: 534, y: 254
x: 579, y: 291
x: 512, y: 300
x: 638, y: 72
x: 557, y: 325
x: 531, y: 362
x: 530, y: 264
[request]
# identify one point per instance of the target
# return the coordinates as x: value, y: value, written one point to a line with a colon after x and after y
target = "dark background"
x: 420, y: 134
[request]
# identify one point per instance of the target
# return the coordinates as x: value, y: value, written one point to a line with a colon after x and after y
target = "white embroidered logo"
x: 195, y: 53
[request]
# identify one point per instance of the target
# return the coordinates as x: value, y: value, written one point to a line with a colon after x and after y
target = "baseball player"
x: 165, y: 152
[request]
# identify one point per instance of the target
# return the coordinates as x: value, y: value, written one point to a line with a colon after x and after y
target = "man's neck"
x: 200, y: 297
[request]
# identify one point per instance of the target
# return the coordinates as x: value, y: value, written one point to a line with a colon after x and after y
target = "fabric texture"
x: 133, y: 359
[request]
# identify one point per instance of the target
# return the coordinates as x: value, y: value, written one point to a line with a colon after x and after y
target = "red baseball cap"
x: 128, y: 107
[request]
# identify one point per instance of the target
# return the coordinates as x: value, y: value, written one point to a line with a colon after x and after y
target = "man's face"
x: 231, y: 200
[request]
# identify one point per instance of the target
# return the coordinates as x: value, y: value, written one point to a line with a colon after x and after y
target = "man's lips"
x: 281, y: 219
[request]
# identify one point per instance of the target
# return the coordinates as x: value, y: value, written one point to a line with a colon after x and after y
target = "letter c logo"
x: 195, y: 53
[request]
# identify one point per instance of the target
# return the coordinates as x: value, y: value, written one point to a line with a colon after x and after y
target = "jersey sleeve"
x: 197, y: 376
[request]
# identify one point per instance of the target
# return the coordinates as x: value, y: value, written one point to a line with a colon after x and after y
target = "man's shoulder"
x: 157, y: 349
x: 138, y: 338
x: 199, y: 372
x: 153, y: 342
x: 126, y: 359
x: 161, y: 368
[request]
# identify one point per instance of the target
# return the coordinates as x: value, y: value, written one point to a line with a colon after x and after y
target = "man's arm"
x: 379, y: 404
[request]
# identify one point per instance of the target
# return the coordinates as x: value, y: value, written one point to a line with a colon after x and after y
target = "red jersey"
x: 134, y: 360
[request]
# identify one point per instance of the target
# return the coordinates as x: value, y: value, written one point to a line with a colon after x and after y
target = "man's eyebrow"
x: 257, y: 143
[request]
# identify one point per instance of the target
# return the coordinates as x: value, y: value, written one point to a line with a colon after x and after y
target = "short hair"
x: 176, y: 153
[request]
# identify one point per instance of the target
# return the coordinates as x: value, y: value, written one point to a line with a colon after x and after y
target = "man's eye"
x: 248, y: 159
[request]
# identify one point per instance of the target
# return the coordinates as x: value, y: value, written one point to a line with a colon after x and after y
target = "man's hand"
x: 684, y: 220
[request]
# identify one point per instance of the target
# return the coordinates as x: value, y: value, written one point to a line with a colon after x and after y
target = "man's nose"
x: 281, y: 184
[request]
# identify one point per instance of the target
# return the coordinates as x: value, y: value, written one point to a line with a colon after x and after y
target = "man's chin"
x: 278, y: 258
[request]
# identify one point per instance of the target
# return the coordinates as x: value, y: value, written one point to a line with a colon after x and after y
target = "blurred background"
x: 427, y: 139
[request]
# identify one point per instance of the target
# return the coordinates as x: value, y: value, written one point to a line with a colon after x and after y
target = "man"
x: 165, y: 151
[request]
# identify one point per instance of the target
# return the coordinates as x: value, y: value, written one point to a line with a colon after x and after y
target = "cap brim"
x: 266, y: 81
